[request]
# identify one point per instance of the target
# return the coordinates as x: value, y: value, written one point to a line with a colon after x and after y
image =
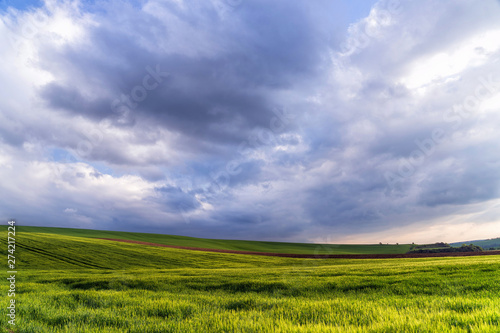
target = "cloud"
x: 273, y: 121
x: 216, y: 92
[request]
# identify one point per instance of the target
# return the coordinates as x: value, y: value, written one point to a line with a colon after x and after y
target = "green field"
x: 80, y: 284
x: 240, y: 245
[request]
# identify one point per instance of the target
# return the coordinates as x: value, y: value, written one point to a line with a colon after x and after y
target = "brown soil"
x: 319, y: 256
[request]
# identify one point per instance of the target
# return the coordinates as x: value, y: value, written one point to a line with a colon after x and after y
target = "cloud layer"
x: 254, y: 120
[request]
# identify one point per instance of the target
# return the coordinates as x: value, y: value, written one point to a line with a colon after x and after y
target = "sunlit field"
x: 226, y: 244
x: 76, y: 284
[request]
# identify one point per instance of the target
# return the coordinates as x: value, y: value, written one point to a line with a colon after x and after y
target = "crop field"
x: 76, y: 283
x: 237, y: 245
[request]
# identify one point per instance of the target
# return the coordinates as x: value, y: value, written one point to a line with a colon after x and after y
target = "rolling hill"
x: 484, y: 243
x: 238, y: 245
x: 79, y: 283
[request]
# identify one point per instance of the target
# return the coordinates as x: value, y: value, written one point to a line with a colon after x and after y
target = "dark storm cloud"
x: 175, y: 199
x: 71, y: 100
x: 207, y: 97
x: 472, y: 177
x: 352, y: 198
x: 237, y: 218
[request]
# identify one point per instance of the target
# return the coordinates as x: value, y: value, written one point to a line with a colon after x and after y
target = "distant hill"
x: 486, y: 244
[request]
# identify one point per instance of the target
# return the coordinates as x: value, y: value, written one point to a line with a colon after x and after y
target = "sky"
x: 305, y: 121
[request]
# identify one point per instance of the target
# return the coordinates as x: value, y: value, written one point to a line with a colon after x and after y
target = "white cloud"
x: 450, y: 62
x: 401, y: 71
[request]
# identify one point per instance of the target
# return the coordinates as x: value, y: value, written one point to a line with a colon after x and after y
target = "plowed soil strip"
x: 318, y: 256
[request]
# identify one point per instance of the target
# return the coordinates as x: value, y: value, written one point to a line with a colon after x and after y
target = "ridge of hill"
x: 486, y: 244
x: 238, y: 245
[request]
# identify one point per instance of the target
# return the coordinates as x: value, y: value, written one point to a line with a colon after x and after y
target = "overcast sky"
x: 311, y: 121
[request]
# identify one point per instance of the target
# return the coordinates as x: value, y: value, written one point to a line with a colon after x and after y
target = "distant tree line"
x: 443, y: 247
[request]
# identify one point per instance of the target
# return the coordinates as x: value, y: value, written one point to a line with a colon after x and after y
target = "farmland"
x: 238, y: 245
x: 70, y: 283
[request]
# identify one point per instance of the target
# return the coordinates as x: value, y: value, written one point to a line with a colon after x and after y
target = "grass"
x: 277, y: 247
x: 78, y: 284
